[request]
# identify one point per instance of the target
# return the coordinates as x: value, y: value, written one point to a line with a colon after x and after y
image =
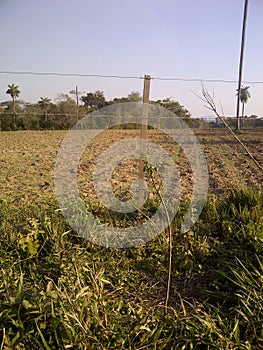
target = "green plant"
x: 58, y: 291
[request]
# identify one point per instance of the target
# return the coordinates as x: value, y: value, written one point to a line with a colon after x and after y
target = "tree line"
x: 65, y: 111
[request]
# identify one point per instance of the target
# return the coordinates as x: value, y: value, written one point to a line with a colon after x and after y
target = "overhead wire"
x: 69, y: 74
x: 200, y: 80
x: 114, y: 76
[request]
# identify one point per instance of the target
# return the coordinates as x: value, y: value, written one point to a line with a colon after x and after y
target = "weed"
x: 59, y: 291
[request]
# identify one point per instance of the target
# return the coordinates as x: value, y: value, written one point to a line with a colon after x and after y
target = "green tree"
x: 31, y: 120
x: 134, y: 96
x: 14, y: 92
x: 244, y: 95
x: 45, y: 103
x: 65, y: 112
x: 174, y: 106
x: 94, y: 100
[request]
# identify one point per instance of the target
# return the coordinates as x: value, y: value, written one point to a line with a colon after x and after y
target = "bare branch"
x: 211, y: 105
x: 198, y: 96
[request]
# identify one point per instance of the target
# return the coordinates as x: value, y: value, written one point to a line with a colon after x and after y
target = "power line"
x: 70, y: 74
x: 200, y: 80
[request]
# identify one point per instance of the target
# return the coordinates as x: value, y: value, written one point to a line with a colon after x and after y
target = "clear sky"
x: 163, y: 38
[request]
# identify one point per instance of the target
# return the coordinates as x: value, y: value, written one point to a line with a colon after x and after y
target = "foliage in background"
x: 64, y: 113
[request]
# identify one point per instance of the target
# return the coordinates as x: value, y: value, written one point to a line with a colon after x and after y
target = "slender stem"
x: 170, y: 243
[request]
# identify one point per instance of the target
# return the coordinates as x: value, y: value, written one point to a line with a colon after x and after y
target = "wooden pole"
x: 241, y: 63
x: 77, y: 98
x: 146, y: 96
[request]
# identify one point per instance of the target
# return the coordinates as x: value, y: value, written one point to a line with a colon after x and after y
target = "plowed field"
x: 27, y: 160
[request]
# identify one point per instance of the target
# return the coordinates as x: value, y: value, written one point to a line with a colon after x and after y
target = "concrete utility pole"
x: 241, y: 63
x: 145, y: 100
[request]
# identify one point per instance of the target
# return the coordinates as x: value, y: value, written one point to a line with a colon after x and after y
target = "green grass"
x: 58, y: 291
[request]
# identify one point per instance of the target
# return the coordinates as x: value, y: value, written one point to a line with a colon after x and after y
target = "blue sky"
x: 168, y: 38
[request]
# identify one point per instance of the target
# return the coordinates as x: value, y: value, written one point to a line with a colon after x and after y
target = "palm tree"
x: 44, y: 103
x: 13, y: 91
x: 243, y: 96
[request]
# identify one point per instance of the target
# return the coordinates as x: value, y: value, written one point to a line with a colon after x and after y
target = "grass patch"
x: 58, y: 291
